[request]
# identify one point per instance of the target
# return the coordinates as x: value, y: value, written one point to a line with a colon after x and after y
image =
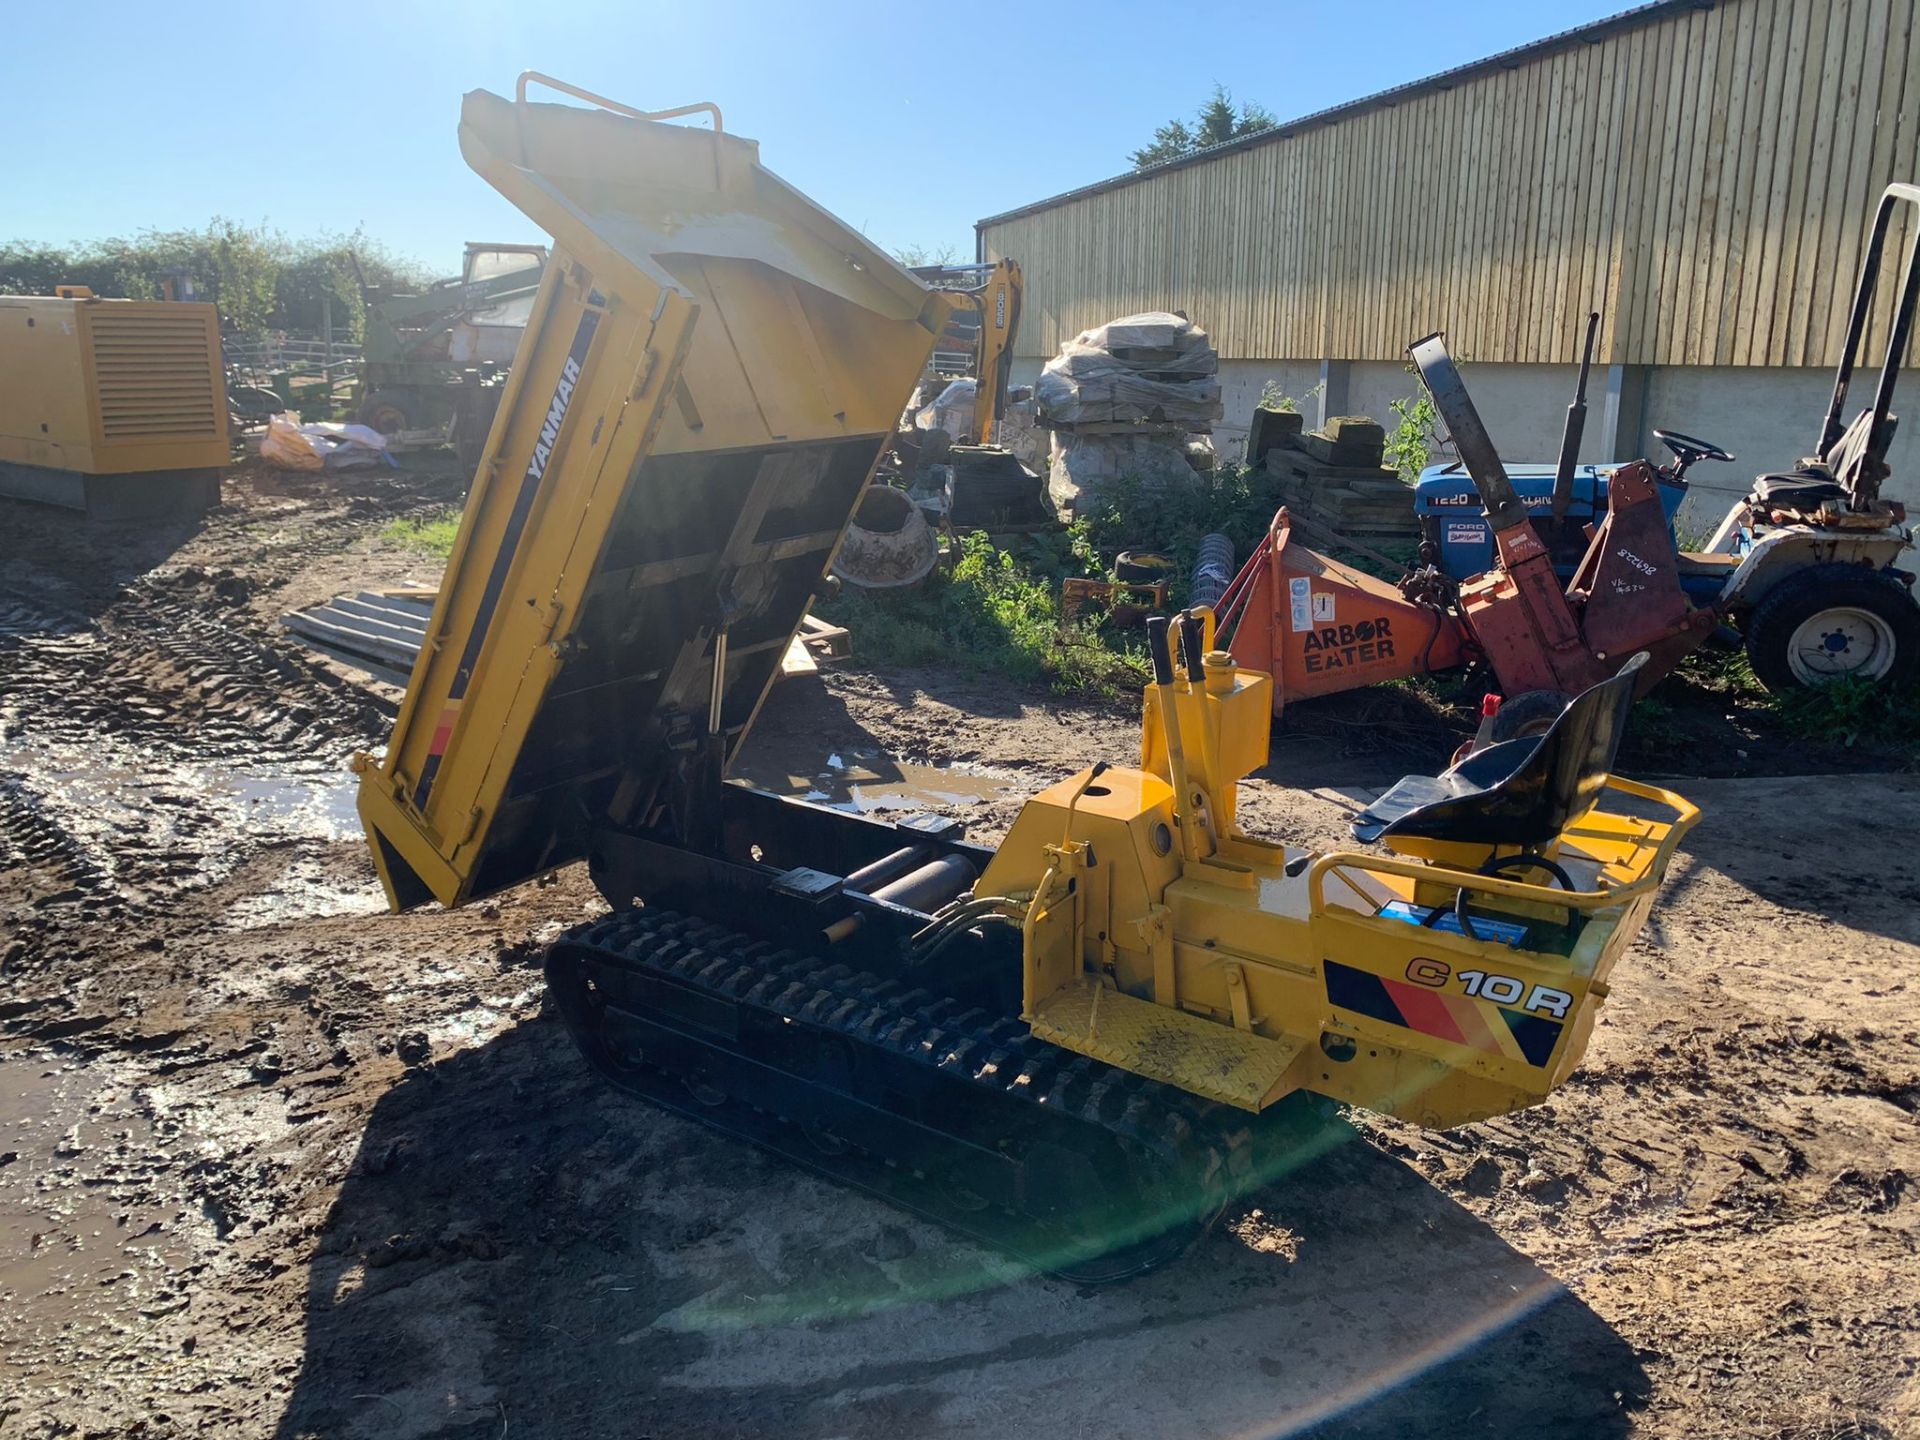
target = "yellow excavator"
x: 979, y: 337
x: 1077, y: 1045
x: 990, y: 487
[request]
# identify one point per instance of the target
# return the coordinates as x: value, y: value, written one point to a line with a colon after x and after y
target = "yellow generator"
x: 1078, y: 1045
x: 116, y: 407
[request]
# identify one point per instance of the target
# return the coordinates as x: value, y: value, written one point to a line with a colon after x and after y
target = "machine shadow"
x: 94, y: 559
x: 1367, y: 737
x: 516, y: 1244
x: 983, y: 695
x: 1470, y: 1336
x: 1807, y: 843
x: 116, y: 551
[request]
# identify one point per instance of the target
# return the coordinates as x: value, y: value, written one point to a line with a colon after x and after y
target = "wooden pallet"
x: 817, y: 643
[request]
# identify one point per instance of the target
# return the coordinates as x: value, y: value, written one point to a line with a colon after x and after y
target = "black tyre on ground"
x: 387, y: 411
x: 1531, y: 712
x: 1834, y: 622
x: 1142, y: 567
x: 472, y: 421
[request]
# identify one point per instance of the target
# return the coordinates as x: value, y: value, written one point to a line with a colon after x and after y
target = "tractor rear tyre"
x: 1831, y: 623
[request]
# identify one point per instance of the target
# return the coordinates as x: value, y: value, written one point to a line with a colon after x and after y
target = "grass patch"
x: 1655, y: 726
x: 1853, y: 712
x: 1850, y: 714
x: 998, y: 610
x: 1173, y: 520
x: 431, y: 534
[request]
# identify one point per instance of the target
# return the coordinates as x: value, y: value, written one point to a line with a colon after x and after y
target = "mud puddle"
x: 87, y: 1249
x: 319, y: 807
x: 868, y: 782
x: 311, y: 885
x: 116, y: 822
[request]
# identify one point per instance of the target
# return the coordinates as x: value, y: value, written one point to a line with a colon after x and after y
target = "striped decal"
x: 1492, y: 1029
x: 543, y: 449
x: 443, y: 731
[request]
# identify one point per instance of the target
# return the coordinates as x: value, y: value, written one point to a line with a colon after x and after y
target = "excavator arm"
x: 1000, y: 298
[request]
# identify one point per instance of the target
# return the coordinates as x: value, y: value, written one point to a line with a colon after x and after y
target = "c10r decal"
x: 1505, y: 990
x: 1481, y: 1018
x: 1501, y: 989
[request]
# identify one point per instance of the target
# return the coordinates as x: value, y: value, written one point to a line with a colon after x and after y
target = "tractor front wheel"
x: 1831, y: 623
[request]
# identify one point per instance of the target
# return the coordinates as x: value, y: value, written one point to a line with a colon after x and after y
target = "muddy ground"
x: 274, y: 1163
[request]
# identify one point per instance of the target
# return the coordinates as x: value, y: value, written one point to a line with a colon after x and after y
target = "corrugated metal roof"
x: 1513, y: 59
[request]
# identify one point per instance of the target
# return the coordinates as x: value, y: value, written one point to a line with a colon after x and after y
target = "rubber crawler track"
x: 944, y: 1074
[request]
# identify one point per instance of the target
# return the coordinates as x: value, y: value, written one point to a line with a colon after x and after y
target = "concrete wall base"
x: 1768, y: 417
x: 113, y: 497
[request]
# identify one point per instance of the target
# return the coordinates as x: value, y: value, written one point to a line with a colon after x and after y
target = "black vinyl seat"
x: 1802, y: 490
x: 1521, y: 792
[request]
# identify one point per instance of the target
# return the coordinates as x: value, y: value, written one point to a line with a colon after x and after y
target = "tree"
x: 915, y: 256
x: 258, y: 279
x: 1216, y: 122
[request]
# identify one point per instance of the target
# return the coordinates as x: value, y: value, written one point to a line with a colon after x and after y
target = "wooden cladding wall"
x: 1704, y: 181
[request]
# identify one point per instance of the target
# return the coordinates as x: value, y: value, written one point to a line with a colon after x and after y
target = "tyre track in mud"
x: 147, y: 750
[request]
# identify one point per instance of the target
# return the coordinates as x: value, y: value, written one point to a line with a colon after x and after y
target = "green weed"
x: 1272, y: 397
x: 1848, y: 713
x: 998, y: 611
x: 1233, y: 501
x: 432, y: 534
x: 1853, y: 711
x: 1689, y: 536
x: 1411, y: 442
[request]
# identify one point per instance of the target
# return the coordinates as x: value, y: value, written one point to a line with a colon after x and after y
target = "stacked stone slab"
x: 1122, y: 399
x: 1334, y: 475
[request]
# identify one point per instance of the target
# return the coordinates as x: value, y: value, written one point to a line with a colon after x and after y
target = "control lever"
x: 1191, y: 647
x: 1576, y: 426
x: 1161, y: 654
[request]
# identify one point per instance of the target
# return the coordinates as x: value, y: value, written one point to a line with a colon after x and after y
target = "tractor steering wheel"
x: 1687, y: 450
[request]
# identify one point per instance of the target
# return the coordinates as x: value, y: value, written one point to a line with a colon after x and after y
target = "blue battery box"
x: 1507, y: 932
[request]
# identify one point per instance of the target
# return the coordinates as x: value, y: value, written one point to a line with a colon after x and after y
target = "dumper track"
x: 1075, y: 1167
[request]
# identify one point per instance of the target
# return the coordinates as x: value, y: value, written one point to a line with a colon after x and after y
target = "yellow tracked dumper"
x: 1077, y: 1046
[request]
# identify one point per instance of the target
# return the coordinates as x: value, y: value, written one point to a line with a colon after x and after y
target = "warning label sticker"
x: 1322, y: 605
x: 1300, y: 598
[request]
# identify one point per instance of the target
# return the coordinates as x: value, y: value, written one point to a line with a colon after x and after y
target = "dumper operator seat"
x: 1520, y: 793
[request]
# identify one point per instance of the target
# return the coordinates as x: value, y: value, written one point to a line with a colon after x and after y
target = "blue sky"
x: 909, y: 121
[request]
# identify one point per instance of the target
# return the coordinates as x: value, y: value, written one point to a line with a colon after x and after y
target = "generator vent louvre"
x: 154, y: 376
